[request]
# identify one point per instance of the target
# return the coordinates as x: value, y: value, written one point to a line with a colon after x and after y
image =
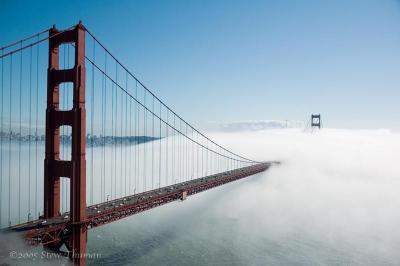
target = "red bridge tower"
x: 54, y: 168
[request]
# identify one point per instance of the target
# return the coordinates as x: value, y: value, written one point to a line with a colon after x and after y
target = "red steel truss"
x: 58, y: 231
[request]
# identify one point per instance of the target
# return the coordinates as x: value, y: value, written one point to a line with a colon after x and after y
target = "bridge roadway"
x: 56, y: 230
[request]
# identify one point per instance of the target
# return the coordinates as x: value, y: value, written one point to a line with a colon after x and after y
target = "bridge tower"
x: 75, y: 169
x: 316, y: 121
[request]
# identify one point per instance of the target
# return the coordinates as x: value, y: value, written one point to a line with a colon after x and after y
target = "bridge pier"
x: 76, y: 118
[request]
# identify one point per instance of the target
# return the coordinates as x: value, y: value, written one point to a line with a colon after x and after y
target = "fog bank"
x: 333, y: 201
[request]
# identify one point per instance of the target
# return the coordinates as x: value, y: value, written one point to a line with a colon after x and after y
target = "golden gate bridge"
x: 84, y: 143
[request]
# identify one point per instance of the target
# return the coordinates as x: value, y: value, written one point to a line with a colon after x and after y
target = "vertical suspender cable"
x: 91, y: 128
x: 201, y: 155
x: 112, y: 137
x: 104, y: 124
x: 9, y: 147
x: 166, y: 149
x: 20, y: 137
x: 197, y: 155
x: 192, y: 151
x: 211, y: 159
x: 137, y: 163
x: 130, y: 144
x: 206, y: 159
x: 173, y: 148
x: 1, y: 137
x: 159, y: 161
x: 102, y: 192
x: 115, y: 130
x: 185, y: 152
x: 180, y: 152
x: 126, y: 136
x: 136, y: 141
x: 36, y: 128
x: 120, y: 144
x: 144, y: 143
x: 188, y: 154
x: 152, y: 146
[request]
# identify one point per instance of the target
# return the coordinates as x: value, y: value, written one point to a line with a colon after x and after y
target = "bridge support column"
x: 316, y: 121
x: 76, y: 118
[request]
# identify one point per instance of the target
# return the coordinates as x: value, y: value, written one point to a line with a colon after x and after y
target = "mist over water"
x: 333, y: 201
x: 112, y: 171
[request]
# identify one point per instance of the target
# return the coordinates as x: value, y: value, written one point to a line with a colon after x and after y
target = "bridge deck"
x: 45, y: 231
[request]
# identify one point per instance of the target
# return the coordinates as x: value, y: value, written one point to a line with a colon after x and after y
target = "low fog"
x: 339, y: 187
x: 333, y: 201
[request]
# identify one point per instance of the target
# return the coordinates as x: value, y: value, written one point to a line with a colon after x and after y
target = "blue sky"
x: 240, y: 60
